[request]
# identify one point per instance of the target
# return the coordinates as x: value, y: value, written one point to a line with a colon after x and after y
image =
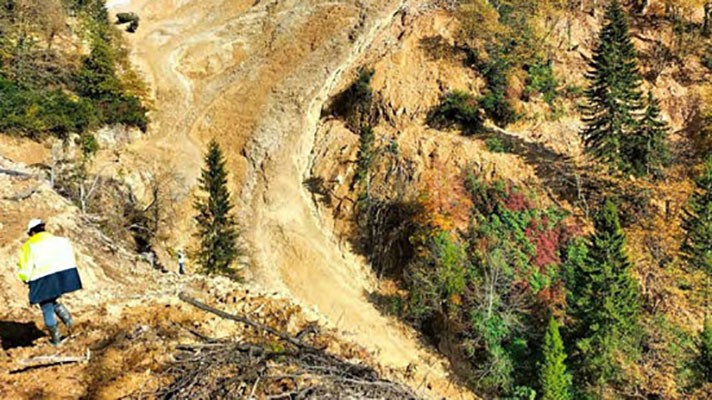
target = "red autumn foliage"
x: 546, y: 240
x: 517, y: 201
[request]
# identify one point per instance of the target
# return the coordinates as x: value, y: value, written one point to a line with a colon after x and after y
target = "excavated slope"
x: 255, y: 75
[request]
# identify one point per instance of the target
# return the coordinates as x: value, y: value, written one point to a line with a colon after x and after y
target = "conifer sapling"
x: 217, y: 230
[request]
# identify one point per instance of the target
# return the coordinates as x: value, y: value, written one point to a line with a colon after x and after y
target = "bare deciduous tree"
x: 53, y: 20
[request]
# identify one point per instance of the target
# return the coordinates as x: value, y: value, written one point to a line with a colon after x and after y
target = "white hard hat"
x: 35, y: 222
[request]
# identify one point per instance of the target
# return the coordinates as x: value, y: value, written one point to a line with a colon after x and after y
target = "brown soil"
x: 255, y: 76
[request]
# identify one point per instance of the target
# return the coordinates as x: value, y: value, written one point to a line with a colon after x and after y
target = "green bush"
x: 75, y: 100
x: 35, y: 113
x: 573, y: 92
x: 541, y: 80
x: 496, y: 73
x: 355, y: 104
x: 124, y: 109
x: 459, y: 109
x: 64, y: 115
x: 365, y: 155
x: 497, y: 145
x: 18, y: 108
x: 88, y: 144
x: 440, y: 276
x: 498, y: 108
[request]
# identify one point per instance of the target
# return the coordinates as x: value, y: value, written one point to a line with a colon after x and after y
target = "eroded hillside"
x: 260, y: 94
x: 356, y: 212
x: 276, y: 64
x: 400, y: 188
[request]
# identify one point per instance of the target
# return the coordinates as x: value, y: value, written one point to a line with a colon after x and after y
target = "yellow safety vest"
x: 44, y: 254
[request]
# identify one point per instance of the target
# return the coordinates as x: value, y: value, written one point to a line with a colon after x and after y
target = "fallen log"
x: 49, y: 361
x: 20, y: 196
x: 16, y: 173
x: 287, y: 338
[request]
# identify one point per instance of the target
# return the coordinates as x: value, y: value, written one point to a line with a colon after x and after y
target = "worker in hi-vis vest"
x: 48, y: 266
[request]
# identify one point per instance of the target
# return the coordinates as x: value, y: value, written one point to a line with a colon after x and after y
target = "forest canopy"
x: 47, y: 86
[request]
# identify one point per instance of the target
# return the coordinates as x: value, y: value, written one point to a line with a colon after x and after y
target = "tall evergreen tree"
x: 646, y: 152
x: 614, y: 97
x: 697, y: 247
x: 553, y: 376
x: 217, y: 230
x: 605, y: 304
x: 364, y: 156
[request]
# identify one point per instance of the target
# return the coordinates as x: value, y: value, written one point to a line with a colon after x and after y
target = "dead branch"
x: 25, y: 194
x: 49, y: 361
x: 244, y: 320
x: 107, y: 241
x: 16, y: 173
x: 287, y: 368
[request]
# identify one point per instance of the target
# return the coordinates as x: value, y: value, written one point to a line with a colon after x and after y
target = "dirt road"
x: 255, y: 75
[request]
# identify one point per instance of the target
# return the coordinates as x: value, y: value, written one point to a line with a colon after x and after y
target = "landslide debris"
x: 272, y: 365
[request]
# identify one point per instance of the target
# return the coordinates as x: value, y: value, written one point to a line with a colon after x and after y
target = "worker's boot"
x: 55, y: 337
x: 64, y: 316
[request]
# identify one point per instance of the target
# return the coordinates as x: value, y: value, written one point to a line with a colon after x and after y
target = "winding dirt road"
x: 255, y: 75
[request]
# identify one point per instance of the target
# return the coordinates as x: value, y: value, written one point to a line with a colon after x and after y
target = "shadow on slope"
x: 18, y: 334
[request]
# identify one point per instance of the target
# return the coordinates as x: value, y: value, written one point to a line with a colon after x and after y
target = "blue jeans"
x: 48, y: 311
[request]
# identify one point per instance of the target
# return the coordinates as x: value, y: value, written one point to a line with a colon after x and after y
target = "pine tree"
x: 605, y: 302
x: 554, y: 378
x: 217, y: 230
x: 697, y: 247
x: 614, y: 97
x: 364, y: 156
x: 647, y: 152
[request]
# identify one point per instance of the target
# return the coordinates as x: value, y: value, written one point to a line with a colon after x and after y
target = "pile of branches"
x: 278, y: 366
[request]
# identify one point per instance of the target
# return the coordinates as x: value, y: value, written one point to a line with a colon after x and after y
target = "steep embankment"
x: 106, y: 268
x: 255, y: 75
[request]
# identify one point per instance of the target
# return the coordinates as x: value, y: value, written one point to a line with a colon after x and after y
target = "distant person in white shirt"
x: 181, y: 262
